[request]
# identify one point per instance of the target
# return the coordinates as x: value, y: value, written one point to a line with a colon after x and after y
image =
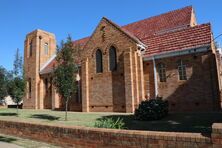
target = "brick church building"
x: 169, y: 55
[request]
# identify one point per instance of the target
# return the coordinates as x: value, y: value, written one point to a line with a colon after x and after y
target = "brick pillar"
x: 141, y: 79
x: 136, y: 71
x: 55, y: 99
x: 129, y: 88
x: 37, y: 76
x: 35, y: 93
x: 85, y: 86
x: 41, y: 94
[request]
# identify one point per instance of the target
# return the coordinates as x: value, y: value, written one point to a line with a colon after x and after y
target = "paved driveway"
x: 8, y: 145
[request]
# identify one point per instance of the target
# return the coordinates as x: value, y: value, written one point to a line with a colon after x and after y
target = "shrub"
x: 153, y: 109
x: 110, y: 123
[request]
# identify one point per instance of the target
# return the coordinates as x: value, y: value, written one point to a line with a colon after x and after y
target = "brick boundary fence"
x: 74, y: 136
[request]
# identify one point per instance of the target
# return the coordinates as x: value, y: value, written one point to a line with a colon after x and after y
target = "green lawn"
x: 177, y: 122
x: 53, y: 117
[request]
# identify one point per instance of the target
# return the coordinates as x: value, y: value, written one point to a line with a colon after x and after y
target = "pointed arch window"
x: 112, y: 59
x: 162, y: 72
x: 182, y: 70
x: 99, y: 61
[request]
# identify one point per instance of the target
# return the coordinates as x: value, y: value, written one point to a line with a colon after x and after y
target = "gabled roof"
x: 83, y: 42
x: 191, y: 37
x: 173, y: 20
x: 126, y: 32
x: 170, y: 31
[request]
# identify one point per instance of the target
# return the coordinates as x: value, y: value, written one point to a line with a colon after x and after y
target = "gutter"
x: 187, y: 51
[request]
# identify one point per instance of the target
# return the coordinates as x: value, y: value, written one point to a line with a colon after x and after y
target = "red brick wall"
x: 33, y: 64
x: 217, y: 134
x: 107, y: 90
x: 199, y: 92
x: 93, y: 137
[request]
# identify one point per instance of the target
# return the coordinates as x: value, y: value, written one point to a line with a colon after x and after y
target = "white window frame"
x: 46, y: 48
x: 182, y: 74
x: 162, y: 72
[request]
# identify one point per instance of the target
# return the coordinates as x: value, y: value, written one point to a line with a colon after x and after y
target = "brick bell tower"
x: 39, y: 47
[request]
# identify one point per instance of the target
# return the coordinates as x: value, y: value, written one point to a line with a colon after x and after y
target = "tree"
x: 77, y: 56
x: 64, y: 73
x: 3, y: 83
x: 18, y: 65
x: 16, y: 85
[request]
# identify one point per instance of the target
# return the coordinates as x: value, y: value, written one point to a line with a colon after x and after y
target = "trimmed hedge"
x: 153, y: 109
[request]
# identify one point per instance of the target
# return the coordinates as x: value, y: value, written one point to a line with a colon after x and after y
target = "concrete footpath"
x: 8, y: 145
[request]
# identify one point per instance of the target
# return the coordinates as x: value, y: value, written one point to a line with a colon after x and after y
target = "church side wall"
x: 198, y: 93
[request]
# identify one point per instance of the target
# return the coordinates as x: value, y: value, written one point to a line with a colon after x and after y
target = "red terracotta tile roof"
x: 183, y: 39
x: 49, y: 67
x: 166, y: 32
x: 81, y: 42
x: 179, y: 18
x: 172, y: 20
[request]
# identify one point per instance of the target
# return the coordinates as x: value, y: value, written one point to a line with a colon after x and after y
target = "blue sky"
x: 80, y: 17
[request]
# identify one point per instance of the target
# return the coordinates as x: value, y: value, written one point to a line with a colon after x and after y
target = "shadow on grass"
x: 174, y: 122
x: 8, y: 114
x: 45, y: 117
x: 7, y: 139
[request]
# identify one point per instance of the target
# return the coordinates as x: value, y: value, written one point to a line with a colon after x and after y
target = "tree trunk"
x: 66, y: 113
x: 17, y: 110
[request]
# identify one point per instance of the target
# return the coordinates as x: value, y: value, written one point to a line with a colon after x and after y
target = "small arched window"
x: 99, y: 61
x: 162, y: 72
x: 112, y: 59
x: 182, y: 70
x: 46, y: 48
